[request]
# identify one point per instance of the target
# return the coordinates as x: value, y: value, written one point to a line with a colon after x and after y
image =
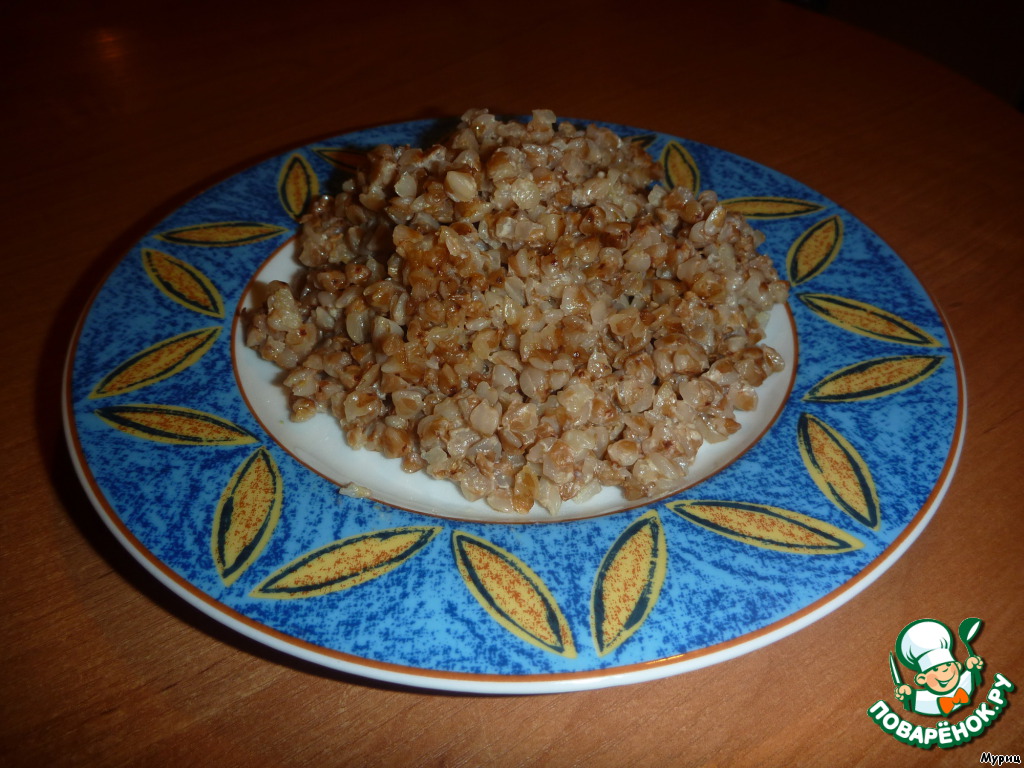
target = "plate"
x: 181, y: 439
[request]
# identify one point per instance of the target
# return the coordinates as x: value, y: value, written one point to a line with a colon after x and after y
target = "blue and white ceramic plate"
x: 181, y: 438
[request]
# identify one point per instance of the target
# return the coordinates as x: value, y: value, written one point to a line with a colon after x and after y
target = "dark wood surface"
x: 115, y: 113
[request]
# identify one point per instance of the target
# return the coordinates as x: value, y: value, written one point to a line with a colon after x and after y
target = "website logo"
x: 931, y: 682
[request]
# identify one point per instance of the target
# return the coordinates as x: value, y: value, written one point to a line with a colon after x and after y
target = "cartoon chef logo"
x: 940, y: 686
x: 944, y: 684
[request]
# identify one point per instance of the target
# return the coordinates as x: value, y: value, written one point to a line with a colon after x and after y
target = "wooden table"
x: 116, y: 112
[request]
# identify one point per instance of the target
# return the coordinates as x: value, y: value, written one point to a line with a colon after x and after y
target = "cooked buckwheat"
x: 524, y: 311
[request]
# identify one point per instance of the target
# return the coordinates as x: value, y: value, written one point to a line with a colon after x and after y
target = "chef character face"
x: 942, y: 678
x: 926, y: 646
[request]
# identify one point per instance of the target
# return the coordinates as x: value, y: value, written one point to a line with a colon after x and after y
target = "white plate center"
x: 320, y: 445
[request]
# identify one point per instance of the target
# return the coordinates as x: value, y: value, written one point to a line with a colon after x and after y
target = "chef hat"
x: 924, y: 644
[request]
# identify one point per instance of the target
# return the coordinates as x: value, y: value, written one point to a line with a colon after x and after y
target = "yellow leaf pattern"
x: 766, y: 526
x: 770, y: 207
x: 838, y: 470
x: 866, y: 319
x: 297, y: 186
x: 628, y: 582
x: 182, y: 283
x: 342, y: 159
x: 221, y: 234
x: 512, y: 594
x: 346, y: 563
x: 680, y: 168
x: 173, y: 425
x: 814, y: 250
x: 158, y: 362
x: 874, y: 378
x: 644, y: 139
x: 246, y: 515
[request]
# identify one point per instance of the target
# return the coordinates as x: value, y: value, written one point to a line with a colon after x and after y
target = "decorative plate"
x: 181, y: 438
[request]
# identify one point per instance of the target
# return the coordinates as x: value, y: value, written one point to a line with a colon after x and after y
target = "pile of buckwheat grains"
x: 525, y: 311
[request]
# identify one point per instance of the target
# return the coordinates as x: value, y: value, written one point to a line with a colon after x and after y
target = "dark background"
x: 982, y: 40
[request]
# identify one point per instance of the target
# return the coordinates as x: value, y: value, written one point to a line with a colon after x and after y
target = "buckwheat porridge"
x: 524, y: 310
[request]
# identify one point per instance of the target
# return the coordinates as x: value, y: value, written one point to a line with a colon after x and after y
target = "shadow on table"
x: 982, y: 44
